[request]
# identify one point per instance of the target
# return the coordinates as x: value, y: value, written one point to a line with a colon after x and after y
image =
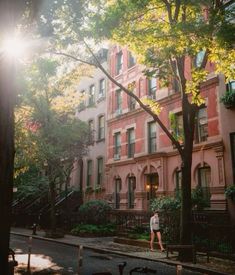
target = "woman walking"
x: 155, y: 230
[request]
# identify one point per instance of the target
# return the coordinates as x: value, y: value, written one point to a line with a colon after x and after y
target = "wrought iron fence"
x: 211, y: 231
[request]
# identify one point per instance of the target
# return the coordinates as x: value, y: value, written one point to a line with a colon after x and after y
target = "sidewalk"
x: 106, y: 244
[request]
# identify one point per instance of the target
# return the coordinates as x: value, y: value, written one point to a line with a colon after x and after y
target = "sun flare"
x: 14, y: 47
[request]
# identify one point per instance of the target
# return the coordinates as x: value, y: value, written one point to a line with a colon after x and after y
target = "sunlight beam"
x: 14, y: 47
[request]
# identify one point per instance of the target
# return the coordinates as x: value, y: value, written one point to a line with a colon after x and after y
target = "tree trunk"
x: 186, y: 208
x: 7, y: 95
x: 185, y: 234
x: 189, y: 113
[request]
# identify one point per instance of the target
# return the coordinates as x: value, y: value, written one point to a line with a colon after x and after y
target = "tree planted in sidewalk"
x: 169, y: 38
x: 175, y: 40
x: 11, y: 12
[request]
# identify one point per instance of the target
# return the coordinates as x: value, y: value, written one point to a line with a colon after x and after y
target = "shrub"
x: 169, y: 214
x: 225, y: 248
x: 139, y: 229
x: 165, y: 203
x: 107, y: 229
x: 144, y: 236
x: 230, y: 192
x: 198, y: 199
x: 94, y: 212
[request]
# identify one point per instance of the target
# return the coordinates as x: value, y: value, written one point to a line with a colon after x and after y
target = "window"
x: 130, y: 143
x: 99, y: 171
x: 117, y: 189
x: 228, y: 98
x: 117, y: 146
x: 229, y: 8
x: 82, y: 103
x: 92, y: 95
x: 174, y: 80
x: 199, y: 59
x: 152, y: 137
x: 118, y: 102
x: 179, y: 130
x: 131, y: 103
x: 176, y: 125
x: 152, y: 185
x: 91, y: 130
x: 204, y: 179
x: 202, y: 126
x: 101, y: 127
x: 89, y: 173
x: 119, y: 62
x: 175, y: 85
x: 131, y: 60
x: 232, y: 142
x: 131, y: 192
x: 230, y: 86
x: 130, y: 100
x: 102, y: 88
x: 152, y: 88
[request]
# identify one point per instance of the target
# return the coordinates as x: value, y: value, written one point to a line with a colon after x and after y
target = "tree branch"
x: 169, y: 10
x: 74, y: 58
x: 130, y: 93
x: 177, y: 9
x: 146, y: 108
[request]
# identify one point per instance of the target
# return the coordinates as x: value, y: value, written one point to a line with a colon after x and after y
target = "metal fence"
x: 211, y: 230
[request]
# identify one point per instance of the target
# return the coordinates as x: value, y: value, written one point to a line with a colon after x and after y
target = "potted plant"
x: 228, y: 99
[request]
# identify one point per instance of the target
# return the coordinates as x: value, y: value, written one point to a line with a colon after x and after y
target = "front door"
x: 152, y: 186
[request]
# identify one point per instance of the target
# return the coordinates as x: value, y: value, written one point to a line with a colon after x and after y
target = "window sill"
x: 100, y: 140
x: 130, y: 157
x: 131, y: 68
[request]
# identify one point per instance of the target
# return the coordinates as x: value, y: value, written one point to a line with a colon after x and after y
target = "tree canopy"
x: 174, y: 39
x: 48, y: 136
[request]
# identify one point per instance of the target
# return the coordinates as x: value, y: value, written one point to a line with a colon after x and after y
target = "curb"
x: 102, y: 250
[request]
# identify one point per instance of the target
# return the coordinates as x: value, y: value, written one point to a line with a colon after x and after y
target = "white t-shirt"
x: 154, y: 223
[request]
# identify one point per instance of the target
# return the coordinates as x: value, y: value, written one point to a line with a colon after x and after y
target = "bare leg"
x: 152, y: 240
x: 159, y: 236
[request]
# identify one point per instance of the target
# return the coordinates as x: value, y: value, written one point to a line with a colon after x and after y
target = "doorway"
x: 152, y: 185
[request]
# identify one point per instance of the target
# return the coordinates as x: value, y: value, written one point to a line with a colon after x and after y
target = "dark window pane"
x: 119, y: 62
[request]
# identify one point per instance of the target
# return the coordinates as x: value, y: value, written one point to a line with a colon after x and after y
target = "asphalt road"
x: 63, y: 259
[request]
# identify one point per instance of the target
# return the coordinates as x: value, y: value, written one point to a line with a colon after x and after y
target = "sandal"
x: 163, y: 250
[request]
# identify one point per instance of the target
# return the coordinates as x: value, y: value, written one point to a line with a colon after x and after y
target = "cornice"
x: 216, y: 145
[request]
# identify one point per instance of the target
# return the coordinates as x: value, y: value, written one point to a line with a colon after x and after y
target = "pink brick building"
x: 141, y: 161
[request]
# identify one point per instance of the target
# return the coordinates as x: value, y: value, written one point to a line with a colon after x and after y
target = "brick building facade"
x: 141, y: 161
